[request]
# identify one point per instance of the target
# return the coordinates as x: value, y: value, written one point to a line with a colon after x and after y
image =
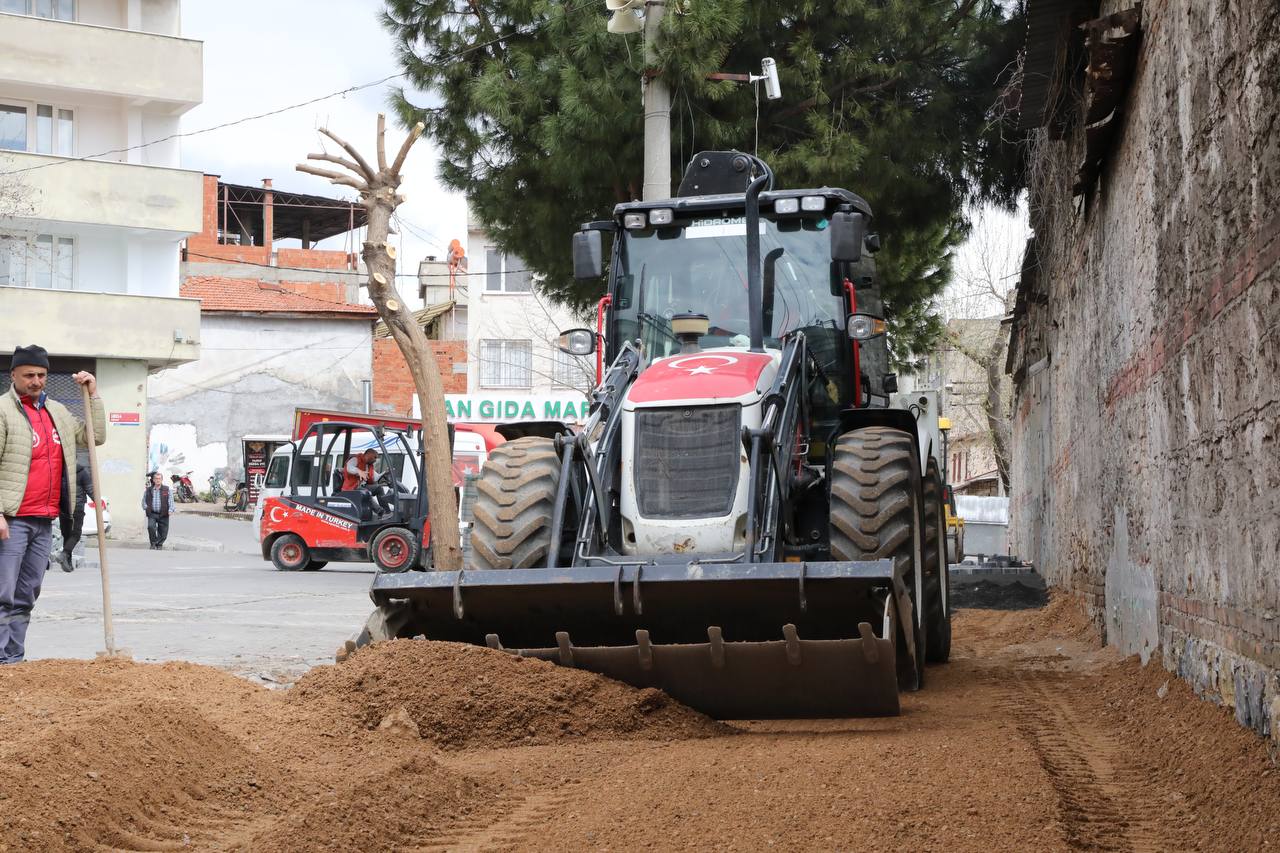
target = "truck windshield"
x: 700, y: 265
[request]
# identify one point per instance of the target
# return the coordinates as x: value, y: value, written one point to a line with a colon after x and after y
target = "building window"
x: 13, y: 127
x: 42, y: 128
x: 505, y: 273
x: 571, y: 371
x: 58, y: 10
x: 506, y: 364
x: 37, y: 260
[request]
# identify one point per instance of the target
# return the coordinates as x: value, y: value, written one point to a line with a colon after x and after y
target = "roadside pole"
x: 107, y: 628
x: 657, y: 111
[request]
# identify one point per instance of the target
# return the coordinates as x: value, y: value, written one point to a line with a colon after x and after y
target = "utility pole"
x: 657, y: 111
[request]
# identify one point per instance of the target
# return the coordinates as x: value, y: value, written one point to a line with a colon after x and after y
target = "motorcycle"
x: 183, y: 491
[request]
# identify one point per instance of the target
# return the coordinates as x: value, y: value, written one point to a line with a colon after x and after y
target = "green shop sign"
x: 481, y: 407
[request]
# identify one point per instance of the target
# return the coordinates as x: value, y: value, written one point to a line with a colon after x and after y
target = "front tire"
x: 394, y: 549
x: 290, y: 554
x: 515, y: 499
x: 875, y: 514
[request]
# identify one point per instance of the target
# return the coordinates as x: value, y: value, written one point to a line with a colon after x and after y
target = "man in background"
x: 71, y: 532
x: 157, y: 503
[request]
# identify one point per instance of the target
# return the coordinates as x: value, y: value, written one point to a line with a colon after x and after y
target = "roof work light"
x: 627, y: 16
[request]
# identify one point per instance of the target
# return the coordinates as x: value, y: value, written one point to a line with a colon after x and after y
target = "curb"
x: 213, y: 511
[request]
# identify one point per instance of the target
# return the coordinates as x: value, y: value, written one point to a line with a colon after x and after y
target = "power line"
x: 529, y: 29
x: 338, y: 272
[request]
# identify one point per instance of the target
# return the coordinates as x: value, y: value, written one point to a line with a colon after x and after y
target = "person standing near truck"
x: 37, y: 485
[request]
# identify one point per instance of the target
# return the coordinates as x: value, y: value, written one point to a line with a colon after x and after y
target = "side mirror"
x: 578, y: 341
x: 588, y: 255
x: 864, y: 327
x: 848, y: 230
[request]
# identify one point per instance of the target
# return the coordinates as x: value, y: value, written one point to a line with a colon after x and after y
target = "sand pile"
x: 178, y: 756
x: 127, y: 771
x: 467, y: 696
x: 1063, y: 618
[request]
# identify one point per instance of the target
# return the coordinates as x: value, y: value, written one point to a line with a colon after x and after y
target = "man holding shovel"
x: 37, y: 485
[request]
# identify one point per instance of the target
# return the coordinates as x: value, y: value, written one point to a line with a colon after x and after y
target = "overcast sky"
x: 267, y: 54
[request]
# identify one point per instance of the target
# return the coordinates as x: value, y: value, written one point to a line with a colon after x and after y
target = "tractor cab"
x: 326, y: 515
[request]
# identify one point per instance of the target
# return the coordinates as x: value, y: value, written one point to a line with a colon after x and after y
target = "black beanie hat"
x: 34, y: 355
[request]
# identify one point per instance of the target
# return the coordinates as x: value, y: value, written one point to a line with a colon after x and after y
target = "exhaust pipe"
x: 755, y: 288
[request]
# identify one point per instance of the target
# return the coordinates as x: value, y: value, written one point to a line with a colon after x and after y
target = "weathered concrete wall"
x: 1149, y: 403
x: 252, y: 373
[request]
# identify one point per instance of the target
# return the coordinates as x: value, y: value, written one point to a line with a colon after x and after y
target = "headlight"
x: 864, y: 327
x: 661, y: 216
x: 786, y: 205
x: 813, y: 203
x: 633, y: 221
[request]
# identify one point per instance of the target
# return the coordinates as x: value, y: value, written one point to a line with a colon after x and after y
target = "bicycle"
x: 237, y: 501
x: 217, y: 490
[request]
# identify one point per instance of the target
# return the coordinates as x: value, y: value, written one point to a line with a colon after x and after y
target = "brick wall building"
x: 393, y: 384
x: 1144, y: 351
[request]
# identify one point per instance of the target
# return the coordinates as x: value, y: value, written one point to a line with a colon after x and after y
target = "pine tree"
x: 540, y: 125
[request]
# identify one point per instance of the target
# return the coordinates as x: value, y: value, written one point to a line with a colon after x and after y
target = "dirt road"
x: 1031, y: 739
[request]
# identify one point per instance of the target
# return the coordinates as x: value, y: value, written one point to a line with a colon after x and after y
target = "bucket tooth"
x: 492, y: 641
x: 868, y: 642
x: 716, y: 639
x: 644, y: 648
x: 566, y: 649
x: 793, y: 644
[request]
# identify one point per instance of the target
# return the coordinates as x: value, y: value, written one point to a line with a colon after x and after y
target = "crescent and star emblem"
x: 273, y: 512
x: 725, y: 360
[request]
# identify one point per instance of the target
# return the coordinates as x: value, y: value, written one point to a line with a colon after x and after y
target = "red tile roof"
x: 260, y: 297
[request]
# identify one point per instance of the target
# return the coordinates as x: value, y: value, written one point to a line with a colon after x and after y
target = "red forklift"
x: 316, y: 520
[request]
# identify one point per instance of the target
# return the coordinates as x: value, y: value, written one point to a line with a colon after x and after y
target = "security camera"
x: 769, y: 72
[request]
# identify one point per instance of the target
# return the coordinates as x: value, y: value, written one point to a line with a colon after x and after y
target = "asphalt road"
x: 229, y: 609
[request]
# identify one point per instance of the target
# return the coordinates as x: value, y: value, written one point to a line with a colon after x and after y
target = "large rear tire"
x: 515, y: 498
x: 875, y: 514
x: 936, y: 579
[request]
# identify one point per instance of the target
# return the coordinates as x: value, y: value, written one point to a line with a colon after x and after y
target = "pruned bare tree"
x: 379, y: 193
x: 973, y: 307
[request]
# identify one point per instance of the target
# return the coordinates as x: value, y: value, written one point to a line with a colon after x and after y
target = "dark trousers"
x: 157, y: 528
x: 72, y: 538
x: 23, y: 558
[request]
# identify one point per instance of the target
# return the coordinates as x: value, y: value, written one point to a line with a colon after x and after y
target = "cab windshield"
x: 700, y: 265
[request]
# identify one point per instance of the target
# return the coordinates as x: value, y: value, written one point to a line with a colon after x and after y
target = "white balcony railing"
x: 142, y: 67
x: 100, y: 192
x: 162, y: 331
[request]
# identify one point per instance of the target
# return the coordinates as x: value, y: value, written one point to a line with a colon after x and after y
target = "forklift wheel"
x: 290, y: 553
x: 394, y: 549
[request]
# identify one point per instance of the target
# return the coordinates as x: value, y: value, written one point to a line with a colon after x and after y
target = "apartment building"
x: 515, y: 369
x: 282, y: 326
x: 93, y: 206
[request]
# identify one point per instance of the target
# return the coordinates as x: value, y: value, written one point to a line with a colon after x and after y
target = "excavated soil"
x: 469, y: 696
x: 1032, y: 738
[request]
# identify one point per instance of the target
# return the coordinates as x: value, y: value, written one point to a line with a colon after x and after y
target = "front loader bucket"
x: 731, y: 640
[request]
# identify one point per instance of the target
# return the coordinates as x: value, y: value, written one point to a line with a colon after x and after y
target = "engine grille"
x: 687, y: 461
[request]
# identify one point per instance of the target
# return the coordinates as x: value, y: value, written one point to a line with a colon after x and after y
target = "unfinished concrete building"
x: 1145, y: 350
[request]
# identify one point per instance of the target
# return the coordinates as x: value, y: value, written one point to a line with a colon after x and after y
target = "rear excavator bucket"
x: 735, y: 641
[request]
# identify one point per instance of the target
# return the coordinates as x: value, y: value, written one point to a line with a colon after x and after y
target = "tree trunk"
x: 437, y: 455
x: 997, y: 417
x: 377, y: 188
